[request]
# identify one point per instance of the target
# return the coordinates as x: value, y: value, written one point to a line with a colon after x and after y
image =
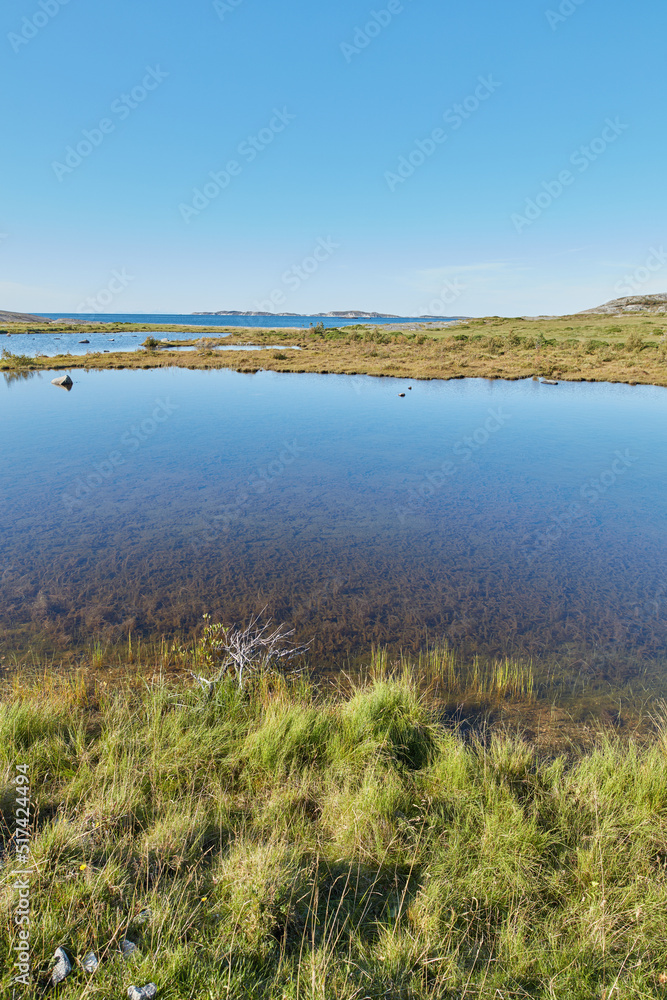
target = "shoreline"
x: 630, y: 350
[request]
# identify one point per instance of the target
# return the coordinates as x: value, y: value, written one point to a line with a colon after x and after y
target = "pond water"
x: 52, y: 345
x: 503, y: 516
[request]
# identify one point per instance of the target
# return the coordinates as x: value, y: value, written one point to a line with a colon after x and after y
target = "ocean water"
x: 270, y: 322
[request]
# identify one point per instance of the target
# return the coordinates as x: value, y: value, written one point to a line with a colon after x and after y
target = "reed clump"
x: 279, y: 842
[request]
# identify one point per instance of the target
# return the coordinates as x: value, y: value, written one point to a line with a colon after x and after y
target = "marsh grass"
x: 290, y: 843
x: 583, y: 347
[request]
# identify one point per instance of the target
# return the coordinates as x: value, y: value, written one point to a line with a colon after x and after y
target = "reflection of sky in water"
x: 50, y: 345
x: 501, y: 515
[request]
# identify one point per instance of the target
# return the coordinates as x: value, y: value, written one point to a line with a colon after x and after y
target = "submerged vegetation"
x: 628, y: 348
x: 289, y: 841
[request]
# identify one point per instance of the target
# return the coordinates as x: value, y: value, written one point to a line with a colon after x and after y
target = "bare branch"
x: 248, y: 651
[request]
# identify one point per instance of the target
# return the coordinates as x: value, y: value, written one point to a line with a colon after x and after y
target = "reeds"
x: 448, y: 673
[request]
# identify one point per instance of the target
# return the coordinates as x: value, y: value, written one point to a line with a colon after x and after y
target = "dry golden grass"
x: 631, y: 349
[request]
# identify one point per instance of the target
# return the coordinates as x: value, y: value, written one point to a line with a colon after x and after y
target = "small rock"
x: 549, y: 381
x: 84, y: 341
x: 142, y: 992
x: 90, y: 962
x: 409, y: 387
x: 62, y: 968
x: 127, y: 948
x: 145, y: 915
x: 63, y: 380
x: 401, y: 394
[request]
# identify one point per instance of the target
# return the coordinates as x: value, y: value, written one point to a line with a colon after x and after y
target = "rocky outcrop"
x: 630, y: 304
x: 9, y: 317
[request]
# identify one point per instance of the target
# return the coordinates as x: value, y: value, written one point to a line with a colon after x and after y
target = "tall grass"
x: 286, y: 844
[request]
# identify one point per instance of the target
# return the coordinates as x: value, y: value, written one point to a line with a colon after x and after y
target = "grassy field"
x: 627, y: 348
x: 300, y: 842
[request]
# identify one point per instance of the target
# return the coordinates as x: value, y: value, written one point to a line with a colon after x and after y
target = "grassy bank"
x: 628, y: 348
x: 293, y: 843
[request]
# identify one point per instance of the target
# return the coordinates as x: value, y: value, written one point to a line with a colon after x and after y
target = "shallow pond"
x: 79, y: 344
x: 52, y: 344
x: 501, y: 516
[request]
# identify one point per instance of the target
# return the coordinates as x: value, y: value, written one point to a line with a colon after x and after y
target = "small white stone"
x: 62, y: 968
x: 90, y: 962
x: 142, y: 992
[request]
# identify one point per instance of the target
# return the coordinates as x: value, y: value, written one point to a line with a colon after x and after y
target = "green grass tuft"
x: 283, y: 843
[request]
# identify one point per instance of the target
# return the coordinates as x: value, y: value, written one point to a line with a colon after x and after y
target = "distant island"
x: 349, y: 314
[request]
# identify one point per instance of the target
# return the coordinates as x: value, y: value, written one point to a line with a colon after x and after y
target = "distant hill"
x: 630, y: 304
x: 7, y: 317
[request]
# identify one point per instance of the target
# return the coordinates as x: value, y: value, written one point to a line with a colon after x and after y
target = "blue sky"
x: 346, y: 175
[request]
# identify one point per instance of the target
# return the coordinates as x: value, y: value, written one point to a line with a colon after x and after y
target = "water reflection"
x: 493, y: 515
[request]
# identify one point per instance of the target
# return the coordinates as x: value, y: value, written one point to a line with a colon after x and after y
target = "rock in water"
x: 64, y: 381
x: 90, y: 962
x: 62, y: 968
x: 84, y: 341
x: 142, y: 992
x: 549, y: 381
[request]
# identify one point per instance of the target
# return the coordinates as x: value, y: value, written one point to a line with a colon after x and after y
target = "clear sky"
x: 407, y: 156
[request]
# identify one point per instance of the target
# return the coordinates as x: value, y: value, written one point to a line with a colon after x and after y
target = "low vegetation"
x: 283, y: 840
x: 627, y: 348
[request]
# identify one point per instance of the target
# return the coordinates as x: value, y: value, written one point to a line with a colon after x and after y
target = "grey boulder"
x: 64, y: 381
